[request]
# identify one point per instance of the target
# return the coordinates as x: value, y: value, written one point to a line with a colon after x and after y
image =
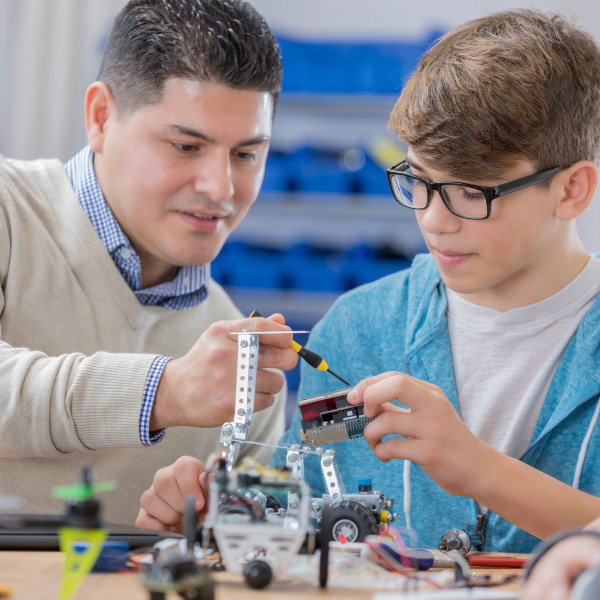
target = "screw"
x: 241, y: 412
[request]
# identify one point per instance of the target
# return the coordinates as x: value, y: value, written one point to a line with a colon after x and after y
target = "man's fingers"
x: 173, y: 484
x: 271, y: 331
x: 275, y: 339
x: 274, y: 357
x: 277, y: 318
x: 157, y: 508
x: 147, y: 521
x: 262, y: 401
x: 269, y: 382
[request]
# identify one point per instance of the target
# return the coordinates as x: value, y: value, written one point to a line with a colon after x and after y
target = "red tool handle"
x: 509, y: 562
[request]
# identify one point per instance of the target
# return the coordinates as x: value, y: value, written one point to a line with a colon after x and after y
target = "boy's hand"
x: 162, y: 505
x: 198, y: 389
x: 553, y: 577
x: 433, y: 434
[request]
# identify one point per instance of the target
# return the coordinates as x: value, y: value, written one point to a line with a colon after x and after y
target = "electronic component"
x: 330, y: 418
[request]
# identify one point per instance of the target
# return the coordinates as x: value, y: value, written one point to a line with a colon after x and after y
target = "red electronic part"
x: 330, y: 418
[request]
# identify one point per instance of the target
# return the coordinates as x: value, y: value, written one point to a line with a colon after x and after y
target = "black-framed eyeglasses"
x: 465, y: 200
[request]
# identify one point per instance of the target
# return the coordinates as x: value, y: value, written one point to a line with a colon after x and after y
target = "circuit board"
x: 330, y: 418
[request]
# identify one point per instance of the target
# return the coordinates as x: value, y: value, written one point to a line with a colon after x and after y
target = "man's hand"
x: 198, y: 389
x: 433, y: 434
x: 162, y: 505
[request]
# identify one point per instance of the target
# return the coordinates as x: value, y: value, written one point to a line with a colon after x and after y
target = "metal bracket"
x: 331, y: 474
x: 295, y: 463
x: 235, y: 433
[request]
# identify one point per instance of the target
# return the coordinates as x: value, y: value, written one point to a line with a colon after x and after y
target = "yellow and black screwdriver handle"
x: 313, y: 359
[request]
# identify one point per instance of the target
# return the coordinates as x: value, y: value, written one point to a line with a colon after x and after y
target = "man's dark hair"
x: 216, y: 41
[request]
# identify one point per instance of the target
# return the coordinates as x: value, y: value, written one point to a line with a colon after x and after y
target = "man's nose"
x: 214, y: 177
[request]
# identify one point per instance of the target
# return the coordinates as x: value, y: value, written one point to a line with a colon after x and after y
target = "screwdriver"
x: 313, y: 359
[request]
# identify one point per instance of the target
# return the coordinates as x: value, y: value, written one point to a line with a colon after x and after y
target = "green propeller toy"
x: 82, y: 534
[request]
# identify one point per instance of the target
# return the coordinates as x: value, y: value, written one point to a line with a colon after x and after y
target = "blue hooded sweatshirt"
x: 398, y: 323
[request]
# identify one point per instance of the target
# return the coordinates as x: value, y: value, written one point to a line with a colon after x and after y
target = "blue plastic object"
x: 414, y: 558
x: 113, y: 556
x: 345, y: 67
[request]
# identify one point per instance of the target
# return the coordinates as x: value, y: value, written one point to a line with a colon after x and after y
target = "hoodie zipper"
x: 588, y: 399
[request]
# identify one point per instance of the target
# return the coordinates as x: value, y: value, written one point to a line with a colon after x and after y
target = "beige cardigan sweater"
x: 75, y: 350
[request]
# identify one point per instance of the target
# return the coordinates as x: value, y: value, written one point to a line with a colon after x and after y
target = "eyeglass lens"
x: 461, y: 200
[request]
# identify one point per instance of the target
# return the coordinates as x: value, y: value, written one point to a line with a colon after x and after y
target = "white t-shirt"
x: 504, y: 361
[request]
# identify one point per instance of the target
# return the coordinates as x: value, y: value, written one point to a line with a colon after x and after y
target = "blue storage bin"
x: 318, y: 275
x: 277, y: 172
x: 315, y: 170
x: 223, y: 265
x: 314, y: 269
x: 244, y: 265
x: 337, y: 67
x: 371, y: 270
x: 371, y: 179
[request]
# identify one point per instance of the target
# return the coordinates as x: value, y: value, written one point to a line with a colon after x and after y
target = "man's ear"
x: 577, y: 185
x: 99, y: 106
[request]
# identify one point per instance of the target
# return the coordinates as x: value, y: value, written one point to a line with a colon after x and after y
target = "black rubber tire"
x: 359, y: 519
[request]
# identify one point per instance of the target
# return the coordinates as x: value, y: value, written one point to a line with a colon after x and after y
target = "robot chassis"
x: 265, y: 539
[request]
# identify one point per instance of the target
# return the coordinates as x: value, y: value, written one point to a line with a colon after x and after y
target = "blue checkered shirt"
x: 189, y: 288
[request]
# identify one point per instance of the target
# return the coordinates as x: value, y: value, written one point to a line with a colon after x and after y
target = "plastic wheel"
x: 352, y: 520
x: 258, y: 574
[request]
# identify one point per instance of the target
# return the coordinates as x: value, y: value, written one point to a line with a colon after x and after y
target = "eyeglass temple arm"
x: 523, y: 182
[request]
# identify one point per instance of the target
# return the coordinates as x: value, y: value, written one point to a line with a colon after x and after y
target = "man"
x: 104, y: 261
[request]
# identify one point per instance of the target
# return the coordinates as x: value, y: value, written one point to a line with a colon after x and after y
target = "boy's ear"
x: 98, y: 106
x: 578, y: 183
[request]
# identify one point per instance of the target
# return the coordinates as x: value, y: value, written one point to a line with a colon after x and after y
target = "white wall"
x: 50, y: 52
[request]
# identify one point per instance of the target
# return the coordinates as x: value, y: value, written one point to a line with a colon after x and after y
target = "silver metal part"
x: 331, y: 474
x: 247, y: 364
x: 455, y: 539
x: 243, y: 536
x: 235, y: 433
x: 295, y: 463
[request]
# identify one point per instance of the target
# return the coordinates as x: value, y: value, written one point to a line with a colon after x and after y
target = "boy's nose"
x: 436, y: 218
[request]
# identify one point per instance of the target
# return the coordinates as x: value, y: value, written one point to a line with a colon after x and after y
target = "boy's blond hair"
x: 513, y: 85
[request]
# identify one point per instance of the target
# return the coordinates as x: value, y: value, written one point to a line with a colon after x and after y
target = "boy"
x: 105, y: 261
x: 490, y: 343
